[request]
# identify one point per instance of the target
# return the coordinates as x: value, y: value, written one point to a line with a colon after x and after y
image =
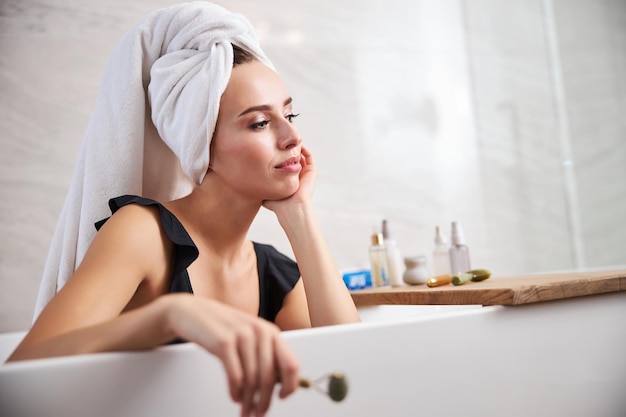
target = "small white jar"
x: 416, y: 271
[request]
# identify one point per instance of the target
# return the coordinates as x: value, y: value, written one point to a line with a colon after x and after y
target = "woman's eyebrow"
x: 264, y: 107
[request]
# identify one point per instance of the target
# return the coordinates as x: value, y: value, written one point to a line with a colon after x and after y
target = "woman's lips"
x: 290, y: 165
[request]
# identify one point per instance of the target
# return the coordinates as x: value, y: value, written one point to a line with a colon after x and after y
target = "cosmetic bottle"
x: 378, y: 261
x: 459, y: 252
x: 441, y: 254
x: 394, y: 257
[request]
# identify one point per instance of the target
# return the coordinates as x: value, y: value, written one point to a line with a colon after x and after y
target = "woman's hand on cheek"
x: 308, y: 175
x: 304, y: 194
x: 251, y: 349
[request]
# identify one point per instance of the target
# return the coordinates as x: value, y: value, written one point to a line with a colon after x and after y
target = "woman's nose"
x: 289, y: 136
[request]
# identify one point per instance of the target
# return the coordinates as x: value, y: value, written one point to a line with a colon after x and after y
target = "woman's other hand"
x: 251, y: 349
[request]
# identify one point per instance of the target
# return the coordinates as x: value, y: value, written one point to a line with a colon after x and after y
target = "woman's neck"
x: 217, y: 221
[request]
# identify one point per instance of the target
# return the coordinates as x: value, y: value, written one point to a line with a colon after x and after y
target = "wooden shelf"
x: 513, y: 290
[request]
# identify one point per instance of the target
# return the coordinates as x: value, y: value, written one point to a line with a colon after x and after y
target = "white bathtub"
x: 561, y: 358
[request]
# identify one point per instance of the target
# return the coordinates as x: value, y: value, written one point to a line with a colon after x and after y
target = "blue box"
x: 357, y: 279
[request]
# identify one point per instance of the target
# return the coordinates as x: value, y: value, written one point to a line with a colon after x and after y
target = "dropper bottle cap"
x: 457, y: 234
x: 440, y: 239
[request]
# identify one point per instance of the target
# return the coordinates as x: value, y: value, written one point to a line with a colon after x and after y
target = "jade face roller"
x: 335, y: 385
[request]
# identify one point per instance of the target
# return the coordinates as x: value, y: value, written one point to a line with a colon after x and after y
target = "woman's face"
x: 255, y: 148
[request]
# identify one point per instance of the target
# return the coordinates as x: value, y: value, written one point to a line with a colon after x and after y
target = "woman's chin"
x: 285, y: 192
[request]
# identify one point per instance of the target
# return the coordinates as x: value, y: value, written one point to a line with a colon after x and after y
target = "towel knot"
x: 189, y: 78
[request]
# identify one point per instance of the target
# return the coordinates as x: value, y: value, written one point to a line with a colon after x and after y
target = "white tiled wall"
x: 421, y: 112
x: 594, y: 68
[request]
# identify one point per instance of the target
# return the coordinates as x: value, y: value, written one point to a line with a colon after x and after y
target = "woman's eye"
x: 291, y: 116
x: 260, y: 125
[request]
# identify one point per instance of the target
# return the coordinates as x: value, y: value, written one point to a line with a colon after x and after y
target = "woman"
x: 132, y: 289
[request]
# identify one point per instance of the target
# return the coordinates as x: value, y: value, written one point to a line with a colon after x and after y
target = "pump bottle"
x: 459, y: 252
x: 441, y: 254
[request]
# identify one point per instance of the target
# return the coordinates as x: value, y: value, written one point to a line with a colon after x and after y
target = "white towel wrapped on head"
x: 151, y: 126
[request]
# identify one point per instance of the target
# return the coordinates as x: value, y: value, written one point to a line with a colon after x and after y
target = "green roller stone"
x: 460, y: 279
x: 337, y: 387
x: 479, y: 274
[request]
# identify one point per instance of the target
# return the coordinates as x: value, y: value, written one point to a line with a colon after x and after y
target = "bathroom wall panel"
x: 516, y: 121
x: 418, y: 111
x: 594, y: 67
x: 51, y: 63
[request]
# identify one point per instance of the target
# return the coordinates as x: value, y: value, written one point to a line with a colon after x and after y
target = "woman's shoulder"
x: 132, y: 205
x: 139, y: 214
x: 131, y: 216
x: 146, y: 211
x: 133, y: 229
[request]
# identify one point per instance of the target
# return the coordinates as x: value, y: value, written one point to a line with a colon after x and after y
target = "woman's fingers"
x: 307, y: 162
x: 251, y: 350
x: 288, y: 366
x: 267, y: 368
x: 234, y: 371
x: 307, y: 156
x: 247, y: 341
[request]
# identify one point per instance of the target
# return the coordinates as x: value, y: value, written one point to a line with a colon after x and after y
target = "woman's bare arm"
x: 88, y: 315
x: 328, y: 299
x: 119, y: 260
x: 250, y: 349
x: 142, y: 328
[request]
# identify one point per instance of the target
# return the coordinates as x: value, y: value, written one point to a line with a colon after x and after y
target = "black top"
x: 277, y: 273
